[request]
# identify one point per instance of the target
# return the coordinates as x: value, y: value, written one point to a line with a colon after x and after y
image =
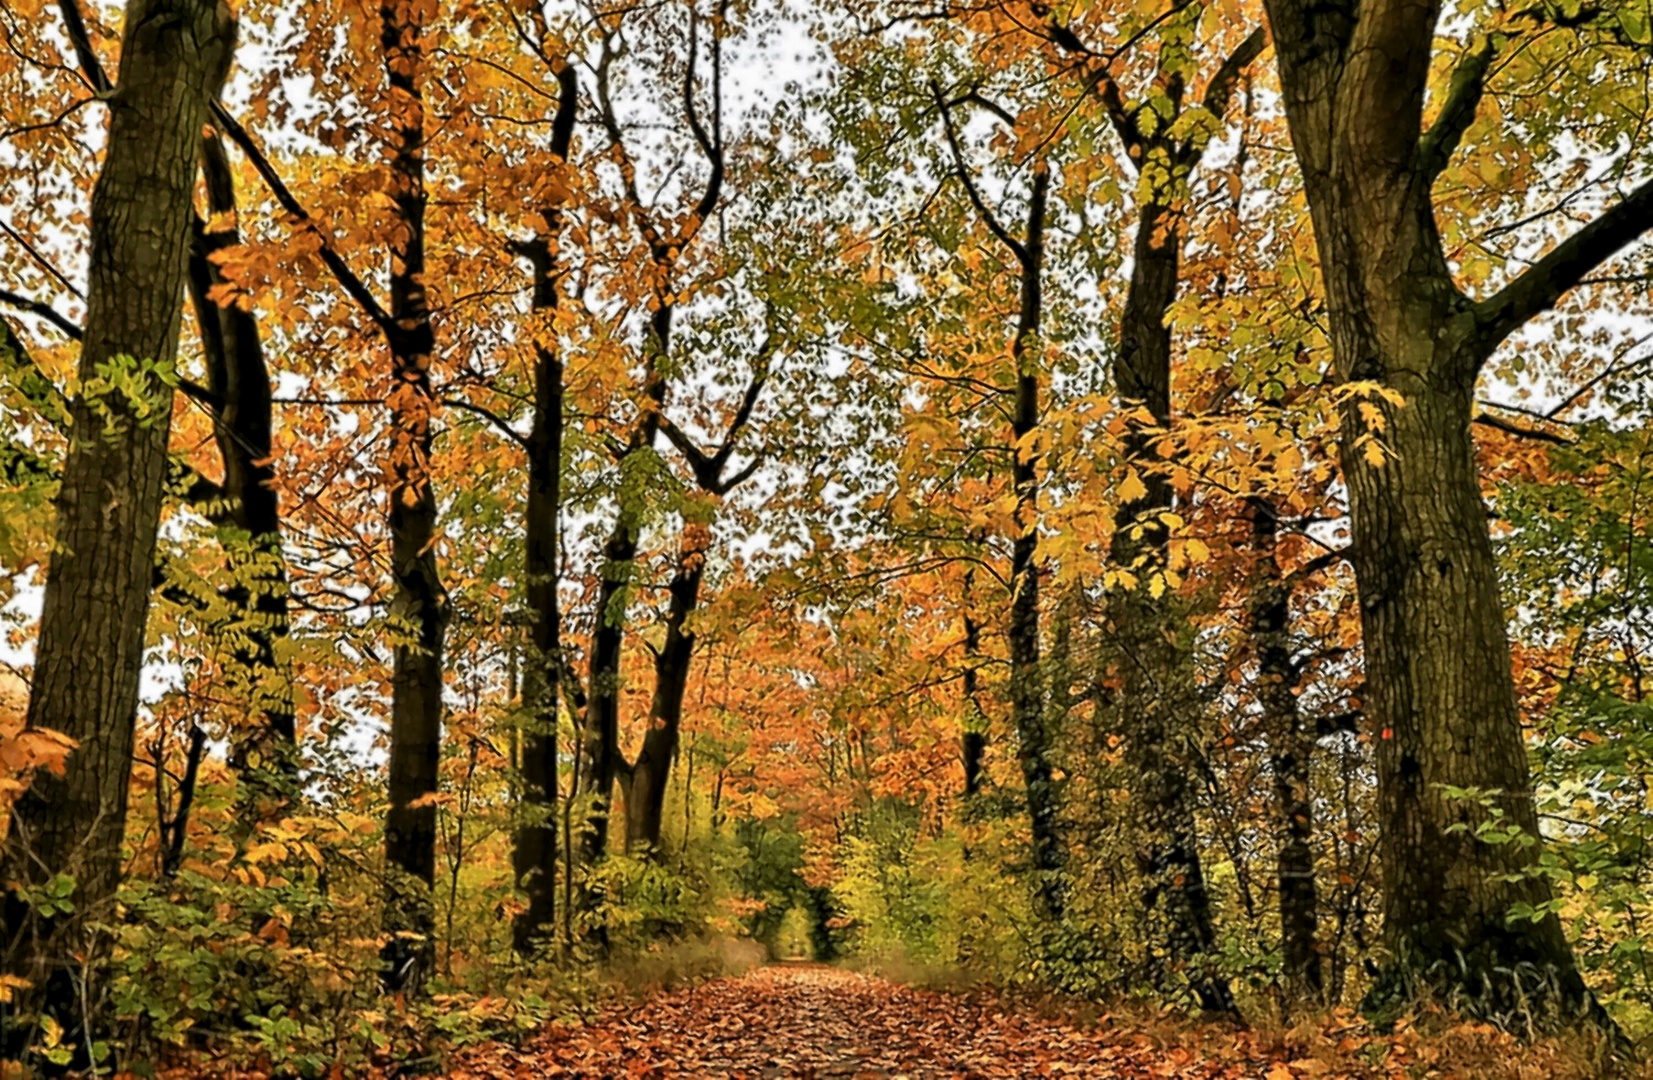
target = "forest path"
x: 819, y: 1022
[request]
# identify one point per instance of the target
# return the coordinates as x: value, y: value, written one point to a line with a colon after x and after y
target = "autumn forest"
x: 858, y: 538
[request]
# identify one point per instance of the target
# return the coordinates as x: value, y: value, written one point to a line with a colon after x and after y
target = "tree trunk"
x: 419, y: 610
x: 974, y: 745
x: 1027, y: 689
x: 646, y: 795
x: 602, y: 729
x: 602, y: 735
x: 174, y: 59
x: 238, y: 380
x: 1291, y: 757
x: 534, y: 844
x: 534, y: 850
x: 1157, y: 716
x: 1442, y: 703
x: 1440, y: 693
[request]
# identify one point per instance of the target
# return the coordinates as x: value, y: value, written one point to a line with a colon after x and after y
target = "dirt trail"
x: 812, y: 1021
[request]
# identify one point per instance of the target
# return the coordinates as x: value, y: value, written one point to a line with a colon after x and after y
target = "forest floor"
x: 812, y: 1021
x: 800, y: 1020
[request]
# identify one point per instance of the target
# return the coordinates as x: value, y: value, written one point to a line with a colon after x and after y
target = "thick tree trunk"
x: 419, y: 610
x: 1442, y: 704
x: 238, y: 380
x: 1155, y: 713
x: 1440, y: 693
x: 1291, y: 758
x: 174, y: 59
x: 534, y: 844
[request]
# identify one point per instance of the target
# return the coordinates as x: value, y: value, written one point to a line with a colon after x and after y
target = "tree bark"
x: 1027, y: 689
x: 1027, y: 684
x: 1153, y: 710
x: 534, y: 844
x: 974, y: 743
x: 666, y: 244
x: 238, y: 385
x: 1154, y: 713
x: 602, y: 728
x: 419, y: 609
x: 175, y: 57
x: 646, y: 793
x: 1440, y: 693
x: 1291, y: 759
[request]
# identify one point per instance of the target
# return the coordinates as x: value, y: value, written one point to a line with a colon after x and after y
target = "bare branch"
x: 710, y: 145
x: 748, y: 400
x: 499, y: 422
x: 963, y: 172
x: 1509, y: 426
x: 739, y: 478
x: 53, y: 405
x: 32, y: 382
x: 700, y: 463
x: 75, y: 26
x: 1619, y: 366
x: 44, y: 311
x: 44, y: 263
x: 976, y: 97
x: 1100, y: 78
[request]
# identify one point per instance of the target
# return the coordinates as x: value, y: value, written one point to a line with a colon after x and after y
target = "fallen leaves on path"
x: 819, y: 1022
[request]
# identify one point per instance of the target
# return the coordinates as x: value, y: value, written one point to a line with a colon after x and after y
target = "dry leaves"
x: 821, y: 1022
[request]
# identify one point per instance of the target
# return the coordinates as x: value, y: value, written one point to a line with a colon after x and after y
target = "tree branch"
x: 489, y: 415
x: 40, y: 259
x: 44, y: 311
x: 346, y: 277
x: 1524, y: 431
x: 1463, y: 95
x: 992, y: 223
x: 748, y: 401
x: 37, y: 389
x: 1220, y: 92
x: 700, y: 463
x: 1548, y: 280
x: 1102, y: 82
x: 745, y: 473
x: 54, y: 407
x: 75, y: 26
x: 659, y: 249
x: 1323, y: 561
x: 710, y: 145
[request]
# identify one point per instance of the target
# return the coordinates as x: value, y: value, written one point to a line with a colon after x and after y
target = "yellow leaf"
x: 1132, y: 488
x: 10, y: 984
